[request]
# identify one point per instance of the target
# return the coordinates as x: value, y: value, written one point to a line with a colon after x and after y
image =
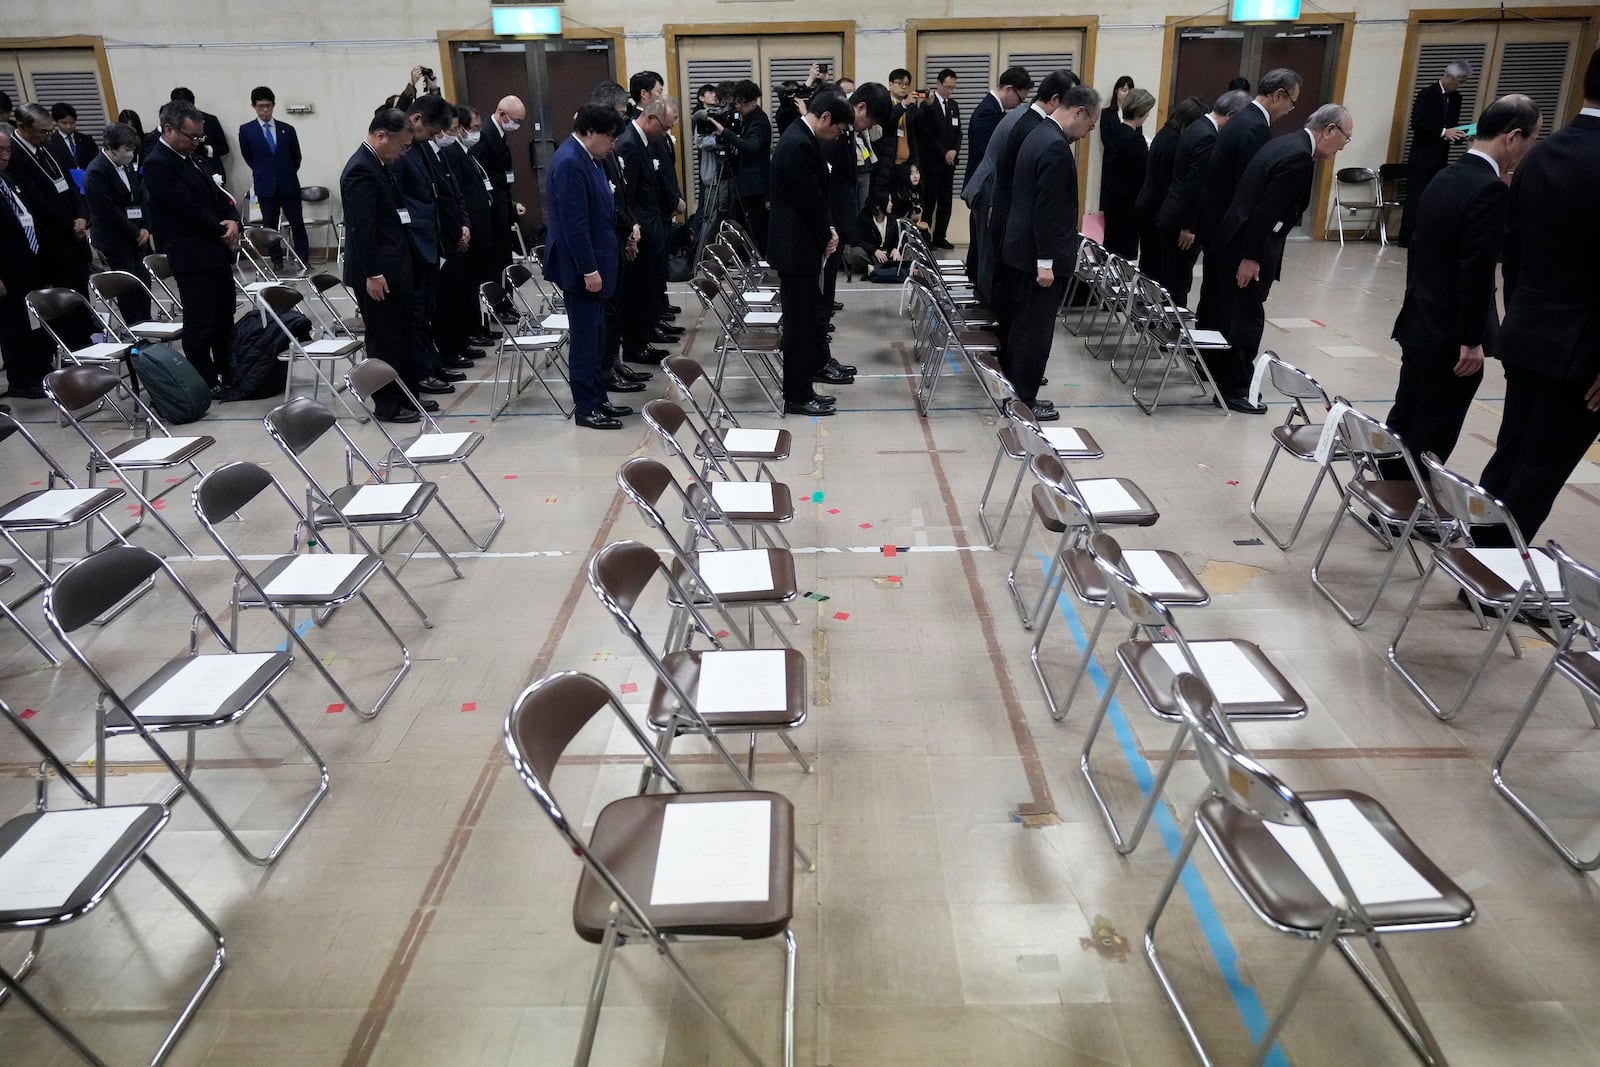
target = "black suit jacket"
x: 1551, y: 271
x: 469, y: 177
x: 76, y: 156
x: 665, y: 152
x: 375, y: 241
x: 980, y: 127
x: 1273, y: 194
x: 494, y: 155
x: 753, y: 143
x: 797, y: 232
x: 938, y: 131
x: 1005, y: 170
x: 19, y: 267
x: 1236, y: 146
x: 1043, y: 219
x: 187, y: 211
x: 1180, y: 210
x: 215, y: 148
x: 1459, y: 233
x: 1122, y: 169
x: 1432, y: 111
x: 1157, y: 173
x: 110, y: 228
x: 887, y: 146
x: 639, y: 177
x: 840, y: 157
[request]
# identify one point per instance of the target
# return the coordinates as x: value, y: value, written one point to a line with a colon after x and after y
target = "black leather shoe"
x: 837, y: 306
x: 596, y: 420
x: 617, y: 385
x: 940, y: 242
x: 453, y: 375
x: 843, y: 368
x: 663, y: 336
x: 831, y: 328
x: 815, y: 408
x: 435, y: 385
x: 482, y: 340
x: 1242, y: 404
x: 628, y: 374
x: 616, y: 411
x: 674, y: 309
x: 1044, y: 411
x: 822, y: 398
x: 400, y: 415
x: 648, y: 356
x: 36, y: 392
x: 458, y: 363
x: 430, y: 406
x: 828, y: 375
x: 510, y: 318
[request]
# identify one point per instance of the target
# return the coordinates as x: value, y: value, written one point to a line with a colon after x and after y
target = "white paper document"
x: 197, y: 690
x: 1208, y: 337
x: 1377, y: 873
x: 1065, y: 439
x: 1231, y: 675
x: 555, y: 322
x: 156, y: 329
x: 763, y: 318
x: 314, y: 574
x: 155, y: 449
x: 714, y: 852
x: 761, y: 297
x: 1330, y: 433
x: 1151, y: 571
x: 743, y: 497
x: 755, y: 680
x: 381, y: 499
x: 1106, y: 496
x: 436, y: 445
x: 56, y: 853
x: 736, y: 439
x: 1509, y: 568
x: 735, y: 571
x: 1263, y: 361
x: 51, y: 505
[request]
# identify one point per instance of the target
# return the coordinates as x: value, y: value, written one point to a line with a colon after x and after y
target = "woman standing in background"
x: 1122, y: 174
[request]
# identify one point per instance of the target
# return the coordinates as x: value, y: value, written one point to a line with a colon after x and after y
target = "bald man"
x: 494, y: 155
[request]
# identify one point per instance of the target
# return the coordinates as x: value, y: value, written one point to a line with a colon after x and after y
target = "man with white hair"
x: 1273, y: 194
x: 1435, y: 114
x: 494, y: 155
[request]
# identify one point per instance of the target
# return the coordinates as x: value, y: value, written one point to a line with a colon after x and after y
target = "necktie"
x: 16, y: 206
x: 272, y: 137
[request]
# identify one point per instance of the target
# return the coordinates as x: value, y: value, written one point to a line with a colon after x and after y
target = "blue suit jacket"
x: 272, y: 173
x: 582, y: 221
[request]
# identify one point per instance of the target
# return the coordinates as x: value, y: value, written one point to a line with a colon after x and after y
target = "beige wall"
x: 206, y: 45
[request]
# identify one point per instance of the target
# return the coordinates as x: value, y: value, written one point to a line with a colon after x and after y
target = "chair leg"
x: 597, y: 994
x: 29, y: 634
x: 1497, y: 772
x: 983, y: 501
x: 1357, y: 618
x: 1328, y: 936
x: 1179, y: 863
x: 1405, y: 1015
x: 1393, y: 656
x: 1127, y: 843
x: 1284, y: 543
x: 1016, y: 563
x: 799, y: 757
x: 749, y: 1053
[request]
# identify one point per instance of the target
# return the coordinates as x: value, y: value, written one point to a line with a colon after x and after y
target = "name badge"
x: 511, y: 176
x: 488, y: 185
x: 60, y: 184
x: 210, y: 152
x: 656, y: 163
x: 405, y: 217
x: 954, y: 121
x: 135, y: 213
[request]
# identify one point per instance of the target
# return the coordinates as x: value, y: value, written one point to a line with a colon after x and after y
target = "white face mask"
x: 511, y: 125
x: 122, y: 157
x: 444, y: 140
x: 472, y: 137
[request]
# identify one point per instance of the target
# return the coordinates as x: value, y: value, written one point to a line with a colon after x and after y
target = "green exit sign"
x: 527, y: 21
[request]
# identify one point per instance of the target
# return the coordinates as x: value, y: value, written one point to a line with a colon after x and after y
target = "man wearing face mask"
x: 436, y: 231
x: 453, y: 311
x: 480, y: 253
x: 472, y: 182
x: 117, y: 226
x: 494, y: 154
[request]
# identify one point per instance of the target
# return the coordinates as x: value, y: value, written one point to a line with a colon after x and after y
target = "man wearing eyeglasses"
x: 196, y: 224
x: 1248, y: 247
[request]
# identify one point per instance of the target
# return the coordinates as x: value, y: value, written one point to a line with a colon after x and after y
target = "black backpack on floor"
x: 171, y: 384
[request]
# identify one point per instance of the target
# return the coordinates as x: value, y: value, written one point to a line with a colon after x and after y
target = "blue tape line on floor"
x: 300, y: 630
x: 1205, y: 912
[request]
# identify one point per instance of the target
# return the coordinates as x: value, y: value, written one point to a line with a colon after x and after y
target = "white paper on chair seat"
x: 949, y: 263
x: 1377, y: 873
x: 156, y: 329
x: 742, y: 496
x: 1065, y: 439
x: 761, y: 296
x: 1330, y: 433
x: 1151, y: 571
x: 555, y: 322
x: 329, y: 346
x: 314, y: 574
x: 381, y: 499
x: 256, y: 287
x: 536, y: 340
x: 197, y: 689
x: 736, y: 439
x: 1231, y: 676
x: 1208, y: 337
x: 743, y: 681
x: 1105, y: 496
x: 155, y: 449
x: 714, y: 852
x: 434, y: 445
x: 1509, y: 568
x: 101, y: 351
x: 736, y: 571
x: 56, y: 853
x: 52, y: 505
x: 763, y: 318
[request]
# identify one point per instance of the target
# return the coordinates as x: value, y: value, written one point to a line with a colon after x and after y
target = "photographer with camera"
x: 751, y: 143
x: 897, y: 172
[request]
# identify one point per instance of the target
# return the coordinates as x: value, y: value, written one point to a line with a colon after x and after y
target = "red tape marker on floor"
x: 334, y: 709
x: 470, y: 706
x: 28, y: 713
x: 629, y: 687
x: 841, y: 615
x: 509, y: 477
x: 888, y: 550
x: 866, y: 526
x: 831, y: 511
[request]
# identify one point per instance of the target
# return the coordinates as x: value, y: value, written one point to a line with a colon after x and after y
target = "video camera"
x: 725, y: 114
x: 790, y: 91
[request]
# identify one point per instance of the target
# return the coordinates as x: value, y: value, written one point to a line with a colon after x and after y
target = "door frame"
x: 1088, y: 25
x: 92, y: 42
x: 1341, y: 71
x: 1590, y: 16
x: 612, y: 34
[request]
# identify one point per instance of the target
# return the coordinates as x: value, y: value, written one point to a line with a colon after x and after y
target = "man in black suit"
x: 1007, y: 95
x: 801, y: 241
x: 938, y: 145
x: 196, y: 225
x: 1448, y: 322
x: 379, y: 258
x: 1274, y: 192
x: 643, y: 88
x: 27, y: 352
x: 752, y: 146
x: 616, y: 376
x: 60, y: 216
x: 1435, y: 113
x: 1246, y: 133
x: 436, y: 231
x: 117, y: 227
x: 897, y: 172
x: 1041, y: 243
x: 73, y: 150
x: 1178, y: 218
x: 215, y: 147
x: 1550, y: 342
x: 271, y: 149
x: 869, y: 106
x: 651, y: 203
x: 465, y: 272
x: 494, y: 154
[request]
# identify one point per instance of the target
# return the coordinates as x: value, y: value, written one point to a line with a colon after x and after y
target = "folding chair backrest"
x: 492, y: 293
x: 1134, y: 603
x: 111, y: 285
x: 1029, y: 433
x: 53, y: 303
x: 1469, y: 504
x: 643, y: 481
x: 78, y: 387
x: 1355, y: 176
x: 370, y: 375
x: 263, y: 241
x: 994, y: 380
x: 1580, y: 583
x: 324, y: 281
x: 1052, y: 474
x: 1368, y: 441
x: 279, y: 299
x: 543, y: 722
x: 620, y: 571
x: 1234, y: 775
x: 93, y: 585
x: 517, y: 275
x: 685, y: 372
x: 224, y: 492
x: 300, y: 423
x: 1293, y: 382
x: 158, y: 265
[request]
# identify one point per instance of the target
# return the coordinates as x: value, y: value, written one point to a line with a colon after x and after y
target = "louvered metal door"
x: 51, y: 76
